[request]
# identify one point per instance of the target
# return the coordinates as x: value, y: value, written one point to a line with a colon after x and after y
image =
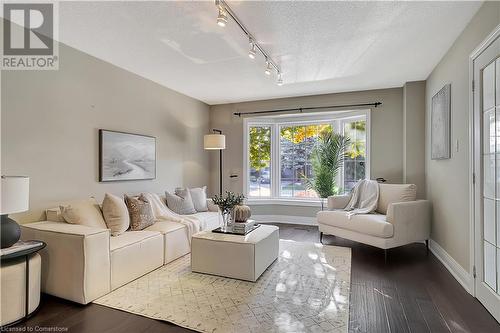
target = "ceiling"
x: 322, y: 47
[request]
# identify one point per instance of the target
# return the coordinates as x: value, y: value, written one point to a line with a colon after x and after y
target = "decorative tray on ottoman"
x: 238, y: 229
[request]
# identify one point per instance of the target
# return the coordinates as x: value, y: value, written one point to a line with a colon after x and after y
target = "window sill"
x: 285, y: 202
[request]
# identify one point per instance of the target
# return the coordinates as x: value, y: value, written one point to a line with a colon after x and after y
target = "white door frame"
x: 474, y: 145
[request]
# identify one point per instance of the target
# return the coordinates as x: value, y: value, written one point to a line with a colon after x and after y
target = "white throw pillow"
x: 199, y: 197
x: 115, y: 214
x: 84, y: 212
x: 180, y: 202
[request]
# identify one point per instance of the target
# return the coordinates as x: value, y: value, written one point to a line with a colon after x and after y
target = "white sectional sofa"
x: 400, y: 219
x: 82, y: 263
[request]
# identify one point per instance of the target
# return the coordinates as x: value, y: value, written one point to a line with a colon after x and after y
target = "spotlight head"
x: 268, y: 68
x: 222, y: 18
x: 252, y: 52
x: 279, y: 82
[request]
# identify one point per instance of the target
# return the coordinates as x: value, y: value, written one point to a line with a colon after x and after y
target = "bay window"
x: 278, y: 153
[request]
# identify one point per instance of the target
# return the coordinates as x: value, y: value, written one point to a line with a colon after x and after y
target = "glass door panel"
x: 491, y: 175
x: 490, y: 272
x: 489, y: 87
x: 489, y: 220
x: 486, y: 160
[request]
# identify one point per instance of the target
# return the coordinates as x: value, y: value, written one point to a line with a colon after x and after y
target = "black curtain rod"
x: 300, y: 110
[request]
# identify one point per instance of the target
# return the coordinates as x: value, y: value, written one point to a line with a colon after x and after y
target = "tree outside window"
x: 259, y: 151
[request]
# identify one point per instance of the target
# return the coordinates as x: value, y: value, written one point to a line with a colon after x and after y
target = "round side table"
x: 20, y: 280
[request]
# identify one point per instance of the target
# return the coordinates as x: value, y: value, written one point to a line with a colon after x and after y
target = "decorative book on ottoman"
x: 243, y: 227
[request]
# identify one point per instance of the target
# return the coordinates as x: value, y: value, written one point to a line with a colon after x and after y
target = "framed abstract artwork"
x: 126, y: 156
x: 441, y: 124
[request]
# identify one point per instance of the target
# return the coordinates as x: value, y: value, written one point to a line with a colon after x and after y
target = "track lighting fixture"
x: 224, y: 12
x: 252, y: 51
x: 222, y: 18
x: 279, y: 82
x: 268, y: 68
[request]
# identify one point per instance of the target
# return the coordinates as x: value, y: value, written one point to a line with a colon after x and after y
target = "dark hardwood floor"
x: 412, y: 292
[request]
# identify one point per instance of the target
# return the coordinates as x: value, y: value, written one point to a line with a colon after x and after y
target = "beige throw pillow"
x: 391, y: 193
x: 115, y: 214
x: 84, y: 212
x: 54, y: 215
x: 140, y: 211
x: 199, y: 198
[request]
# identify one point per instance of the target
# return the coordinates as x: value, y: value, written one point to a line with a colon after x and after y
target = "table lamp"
x: 14, y: 199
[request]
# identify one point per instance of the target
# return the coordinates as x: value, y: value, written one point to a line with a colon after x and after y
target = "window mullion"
x: 275, y: 161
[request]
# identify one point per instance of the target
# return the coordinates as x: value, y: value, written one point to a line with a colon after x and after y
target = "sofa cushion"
x: 115, y: 214
x: 176, y: 239
x: 84, y: 212
x: 164, y: 227
x: 370, y: 224
x: 133, y: 254
x: 208, y: 220
x: 391, y: 193
x: 129, y: 238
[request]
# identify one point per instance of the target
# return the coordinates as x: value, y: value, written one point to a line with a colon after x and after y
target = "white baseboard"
x: 459, y: 273
x: 303, y: 220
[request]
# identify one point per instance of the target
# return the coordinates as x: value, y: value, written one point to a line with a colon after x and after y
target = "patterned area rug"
x: 305, y: 290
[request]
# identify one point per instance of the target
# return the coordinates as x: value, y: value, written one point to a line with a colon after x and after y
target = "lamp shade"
x: 15, y: 194
x: 214, y: 141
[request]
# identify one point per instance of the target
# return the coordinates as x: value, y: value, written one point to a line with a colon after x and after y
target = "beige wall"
x: 386, y: 137
x: 50, y: 122
x: 414, y: 135
x: 447, y: 180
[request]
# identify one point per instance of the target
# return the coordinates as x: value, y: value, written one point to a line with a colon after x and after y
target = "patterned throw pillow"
x: 180, y: 202
x: 140, y: 211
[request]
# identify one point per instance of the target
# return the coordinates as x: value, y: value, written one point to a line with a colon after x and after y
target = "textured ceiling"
x: 322, y: 47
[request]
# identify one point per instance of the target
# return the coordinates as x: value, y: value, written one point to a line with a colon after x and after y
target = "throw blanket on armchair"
x: 364, y: 198
x: 161, y: 212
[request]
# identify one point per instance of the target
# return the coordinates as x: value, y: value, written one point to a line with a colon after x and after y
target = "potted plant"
x: 326, y: 159
x: 226, y: 204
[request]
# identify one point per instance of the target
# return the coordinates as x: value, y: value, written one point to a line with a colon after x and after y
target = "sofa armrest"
x: 76, y: 260
x: 211, y: 206
x: 338, y: 201
x: 411, y: 220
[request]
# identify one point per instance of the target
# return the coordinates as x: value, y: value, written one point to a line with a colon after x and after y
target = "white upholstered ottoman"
x: 235, y: 256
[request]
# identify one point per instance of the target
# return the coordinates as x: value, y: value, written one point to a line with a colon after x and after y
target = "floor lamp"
x: 216, y: 141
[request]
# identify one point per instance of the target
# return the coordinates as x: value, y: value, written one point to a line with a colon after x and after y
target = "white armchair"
x: 400, y: 219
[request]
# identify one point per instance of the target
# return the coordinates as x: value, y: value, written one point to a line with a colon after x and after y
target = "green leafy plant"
x: 326, y: 159
x: 228, y: 201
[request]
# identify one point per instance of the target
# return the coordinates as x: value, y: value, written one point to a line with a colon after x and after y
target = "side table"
x: 13, y: 261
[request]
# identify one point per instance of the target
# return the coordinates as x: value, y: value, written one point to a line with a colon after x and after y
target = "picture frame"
x: 126, y: 156
x: 441, y: 124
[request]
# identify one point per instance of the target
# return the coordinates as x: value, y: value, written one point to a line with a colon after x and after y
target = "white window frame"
x: 275, y: 123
